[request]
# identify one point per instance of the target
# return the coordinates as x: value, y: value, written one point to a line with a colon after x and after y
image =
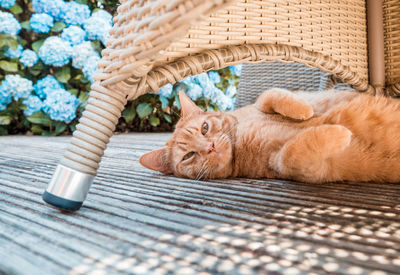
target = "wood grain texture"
x: 135, y: 221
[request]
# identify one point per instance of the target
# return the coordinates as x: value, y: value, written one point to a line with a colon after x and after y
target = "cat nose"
x: 211, y: 148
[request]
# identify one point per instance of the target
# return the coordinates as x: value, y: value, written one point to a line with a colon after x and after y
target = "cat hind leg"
x: 284, y: 102
x: 305, y: 156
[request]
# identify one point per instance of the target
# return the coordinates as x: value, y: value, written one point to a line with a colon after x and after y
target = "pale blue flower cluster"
x: 74, y: 35
x: 204, y: 85
x: 214, y: 77
x: 46, y: 85
x: 29, y: 58
x: 61, y: 105
x: 51, y: 7
x: 55, y: 51
x: 16, y: 86
x: 5, y: 97
x: 98, y: 26
x: 81, y: 53
x: 166, y: 91
x: 8, y: 24
x: 10, y: 53
x: 33, y: 104
x: 90, y: 67
x: 41, y: 22
x: 236, y: 70
x: 6, y: 4
x: 74, y: 13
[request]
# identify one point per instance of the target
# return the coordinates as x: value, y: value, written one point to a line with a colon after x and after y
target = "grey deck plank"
x: 139, y: 222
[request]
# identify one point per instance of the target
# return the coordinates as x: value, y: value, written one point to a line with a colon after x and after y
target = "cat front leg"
x: 284, y: 102
x: 305, y: 157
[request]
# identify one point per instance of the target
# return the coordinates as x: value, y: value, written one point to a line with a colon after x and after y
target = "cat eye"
x: 188, y: 156
x: 204, y: 128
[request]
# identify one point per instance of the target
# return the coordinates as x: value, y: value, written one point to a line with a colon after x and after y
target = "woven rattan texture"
x: 216, y: 59
x: 257, y: 78
x: 334, y: 28
x: 142, y: 29
x: 391, y: 18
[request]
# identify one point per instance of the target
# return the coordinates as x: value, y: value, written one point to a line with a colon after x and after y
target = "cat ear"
x: 187, y: 105
x: 155, y: 160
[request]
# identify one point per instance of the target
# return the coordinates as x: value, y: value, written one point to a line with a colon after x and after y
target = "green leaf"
x: 36, y: 129
x: 36, y: 45
x: 39, y: 118
x: 8, y: 41
x: 129, y: 114
x: 9, y: 66
x: 60, y: 127
x: 26, y: 25
x: 5, y: 120
x: 73, y: 91
x: 58, y: 27
x: 16, y: 9
x: 83, y: 98
x: 63, y: 75
x: 144, y: 109
x: 168, y: 118
x: 154, y: 121
x: 3, y: 131
x: 164, y: 102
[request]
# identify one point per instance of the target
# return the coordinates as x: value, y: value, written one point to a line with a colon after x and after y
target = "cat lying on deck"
x: 304, y: 136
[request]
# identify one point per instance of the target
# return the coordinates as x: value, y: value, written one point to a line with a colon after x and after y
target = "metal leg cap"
x: 61, y: 203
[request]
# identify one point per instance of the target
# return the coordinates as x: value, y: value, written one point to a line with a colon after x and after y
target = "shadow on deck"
x: 135, y: 221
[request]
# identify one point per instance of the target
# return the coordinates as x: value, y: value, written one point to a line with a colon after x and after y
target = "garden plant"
x: 49, y: 50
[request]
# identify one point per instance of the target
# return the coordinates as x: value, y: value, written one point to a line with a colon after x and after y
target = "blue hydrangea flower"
x: 203, y: 80
x: 224, y: 103
x: 166, y: 90
x: 230, y: 91
x: 41, y: 22
x: 75, y: 13
x: 14, y: 53
x: 55, y: 8
x: 103, y: 14
x: 210, y: 91
x: 46, y: 85
x: 28, y: 58
x: 61, y: 105
x: 5, y: 96
x: 97, y: 28
x: 194, y: 91
x: 8, y: 24
x: 188, y: 80
x: 81, y: 53
x: 90, y: 67
x: 55, y: 51
x: 16, y: 85
x: 214, y: 77
x: 33, y: 104
x: 74, y: 35
x: 6, y: 4
x: 236, y: 70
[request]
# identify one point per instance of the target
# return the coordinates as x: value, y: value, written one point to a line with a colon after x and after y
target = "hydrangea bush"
x: 49, y: 51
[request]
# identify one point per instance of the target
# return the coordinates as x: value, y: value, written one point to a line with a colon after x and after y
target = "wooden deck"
x: 138, y: 222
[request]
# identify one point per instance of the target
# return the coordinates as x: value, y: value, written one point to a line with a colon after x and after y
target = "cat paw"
x: 296, y: 109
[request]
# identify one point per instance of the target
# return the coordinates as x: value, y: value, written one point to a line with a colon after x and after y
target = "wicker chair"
x: 158, y: 42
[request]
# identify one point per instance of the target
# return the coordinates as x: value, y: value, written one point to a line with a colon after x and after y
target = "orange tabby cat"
x: 312, y: 137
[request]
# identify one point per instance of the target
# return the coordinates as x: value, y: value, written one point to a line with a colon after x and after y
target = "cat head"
x: 200, y: 147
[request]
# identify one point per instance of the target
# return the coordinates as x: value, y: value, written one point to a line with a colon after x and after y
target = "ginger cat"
x: 311, y: 137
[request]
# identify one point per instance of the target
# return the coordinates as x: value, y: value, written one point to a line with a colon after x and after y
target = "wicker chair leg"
x: 75, y: 173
